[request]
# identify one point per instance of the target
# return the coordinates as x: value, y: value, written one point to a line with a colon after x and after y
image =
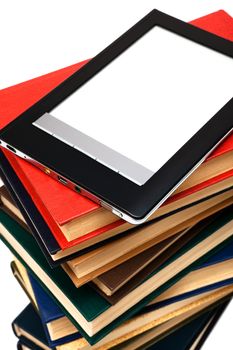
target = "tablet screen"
x: 145, y: 105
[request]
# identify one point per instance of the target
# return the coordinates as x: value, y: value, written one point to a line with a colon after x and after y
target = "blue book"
x: 29, y: 329
x: 49, y: 311
x: 221, y: 256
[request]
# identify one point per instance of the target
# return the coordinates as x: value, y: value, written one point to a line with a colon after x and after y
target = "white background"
x: 44, y: 35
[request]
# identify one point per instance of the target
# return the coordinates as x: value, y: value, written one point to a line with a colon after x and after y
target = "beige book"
x: 22, y: 277
x: 196, y: 279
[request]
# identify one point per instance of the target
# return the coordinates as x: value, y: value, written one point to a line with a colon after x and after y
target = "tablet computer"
x: 132, y: 124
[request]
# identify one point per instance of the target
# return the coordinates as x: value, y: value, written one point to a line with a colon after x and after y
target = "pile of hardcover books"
x: 96, y: 282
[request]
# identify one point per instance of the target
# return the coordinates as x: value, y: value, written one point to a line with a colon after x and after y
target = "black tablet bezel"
x: 108, y: 186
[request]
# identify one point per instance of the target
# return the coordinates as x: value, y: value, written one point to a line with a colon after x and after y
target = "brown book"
x: 104, y: 282
x: 111, y: 281
x: 8, y: 205
x: 87, y: 267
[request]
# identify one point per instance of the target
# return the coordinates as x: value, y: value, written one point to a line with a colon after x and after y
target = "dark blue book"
x: 28, y: 325
x: 26, y: 344
x: 193, y: 334
x: 49, y: 311
x: 38, y: 227
x: 221, y: 256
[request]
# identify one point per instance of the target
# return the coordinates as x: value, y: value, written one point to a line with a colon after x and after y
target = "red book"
x: 59, y: 205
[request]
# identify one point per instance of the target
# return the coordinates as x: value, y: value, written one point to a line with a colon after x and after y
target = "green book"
x: 92, y: 314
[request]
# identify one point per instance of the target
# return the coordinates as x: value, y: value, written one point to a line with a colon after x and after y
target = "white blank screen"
x: 150, y: 100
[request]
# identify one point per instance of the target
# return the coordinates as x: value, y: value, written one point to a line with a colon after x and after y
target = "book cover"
x: 49, y: 311
x: 29, y: 321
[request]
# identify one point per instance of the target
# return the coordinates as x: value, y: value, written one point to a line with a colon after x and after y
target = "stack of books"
x: 96, y: 282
